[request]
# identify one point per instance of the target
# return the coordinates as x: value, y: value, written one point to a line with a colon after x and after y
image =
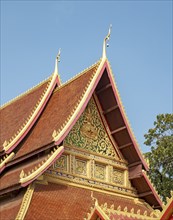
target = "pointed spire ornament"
x: 56, y: 73
x: 105, y: 44
x: 57, y: 61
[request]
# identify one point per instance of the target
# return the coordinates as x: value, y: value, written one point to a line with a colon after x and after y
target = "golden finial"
x: 56, y: 62
x: 105, y: 44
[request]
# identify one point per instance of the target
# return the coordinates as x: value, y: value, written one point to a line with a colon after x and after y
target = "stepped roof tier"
x: 34, y: 139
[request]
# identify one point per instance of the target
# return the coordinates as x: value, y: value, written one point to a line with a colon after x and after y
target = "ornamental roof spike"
x: 105, y: 44
x: 145, y: 213
x: 125, y: 209
x: 57, y: 60
x: 119, y: 208
x: 112, y: 207
x: 22, y: 174
x: 93, y: 198
x: 138, y: 211
x: 132, y: 210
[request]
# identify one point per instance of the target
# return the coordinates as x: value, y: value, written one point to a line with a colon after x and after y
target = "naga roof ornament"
x: 56, y: 72
x: 105, y: 44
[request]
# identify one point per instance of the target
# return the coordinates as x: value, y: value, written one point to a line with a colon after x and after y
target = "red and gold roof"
x: 44, y: 116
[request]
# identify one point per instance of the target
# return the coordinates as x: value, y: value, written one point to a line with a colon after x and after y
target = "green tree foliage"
x: 160, y: 139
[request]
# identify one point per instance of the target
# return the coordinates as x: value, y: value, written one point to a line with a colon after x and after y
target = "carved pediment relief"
x: 89, y: 133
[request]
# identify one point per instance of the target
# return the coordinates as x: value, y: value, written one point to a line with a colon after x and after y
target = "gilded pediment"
x: 89, y: 133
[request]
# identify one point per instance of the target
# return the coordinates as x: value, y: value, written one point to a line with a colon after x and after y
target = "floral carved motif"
x: 118, y: 176
x: 89, y: 133
x: 81, y: 167
x: 61, y: 163
x: 99, y: 172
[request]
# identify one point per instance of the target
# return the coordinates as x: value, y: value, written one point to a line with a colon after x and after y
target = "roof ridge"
x: 25, y: 179
x: 10, y: 144
x: 78, y: 75
x: 24, y: 93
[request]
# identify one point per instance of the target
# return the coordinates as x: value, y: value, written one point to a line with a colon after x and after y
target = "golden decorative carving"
x: 81, y: 167
x: 89, y: 133
x: 118, y: 177
x: 100, y: 171
x: 61, y: 163
x: 119, y: 213
x: 6, y: 159
x: 25, y: 203
x: 24, y: 178
x: 86, y: 169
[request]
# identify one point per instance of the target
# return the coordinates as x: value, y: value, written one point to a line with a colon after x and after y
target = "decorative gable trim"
x: 167, y: 213
x: 106, y: 213
x: 9, y: 145
x: 5, y: 160
x: 152, y: 188
x: 25, y: 203
x: 26, y: 179
x: 125, y: 118
x: 59, y: 135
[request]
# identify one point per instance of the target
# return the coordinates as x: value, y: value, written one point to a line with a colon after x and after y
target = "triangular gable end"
x: 105, y: 90
x: 109, y: 99
x: 103, y: 85
x: 89, y: 133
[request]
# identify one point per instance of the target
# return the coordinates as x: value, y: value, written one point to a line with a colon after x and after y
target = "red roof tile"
x: 14, y: 114
x: 59, y: 107
x: 63, y: 101
x: 10, y: 207
x: 11, y: 177
x: 62, y: 202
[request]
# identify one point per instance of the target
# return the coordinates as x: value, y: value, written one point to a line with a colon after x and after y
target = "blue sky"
x: 140, y: 50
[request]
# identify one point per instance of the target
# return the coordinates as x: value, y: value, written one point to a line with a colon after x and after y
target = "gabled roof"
x: 53, y: 117
x: 27, y: 110
x: 59, y: 110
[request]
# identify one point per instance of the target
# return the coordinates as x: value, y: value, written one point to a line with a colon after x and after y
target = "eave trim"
x: 125, y: 118
x: 152, y: 188
x: 5, y: 160
x: 25, y: 203
x: 37, y: 110
x: 26, y: 179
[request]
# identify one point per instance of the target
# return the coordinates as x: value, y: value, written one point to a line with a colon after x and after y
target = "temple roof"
x: 50, y: 111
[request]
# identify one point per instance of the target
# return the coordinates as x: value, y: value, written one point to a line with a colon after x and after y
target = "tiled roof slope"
x: 14, y: 114
x: 12, y: 177
x: 22, y: 174
x: 56, y: 112
x: 10, y: 207
x: 66, y: 105
x: 67, y: 202
x: 63, y: 101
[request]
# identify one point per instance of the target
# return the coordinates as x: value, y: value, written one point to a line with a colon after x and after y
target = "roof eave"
x: 118, y: 99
